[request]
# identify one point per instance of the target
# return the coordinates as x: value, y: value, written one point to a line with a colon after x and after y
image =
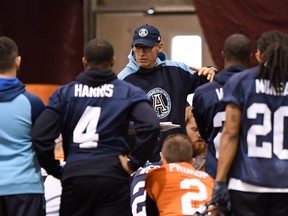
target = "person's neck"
x: 233, y: 63
x: 148, y: 68
x: 103, y: 66
x: 8, y: 74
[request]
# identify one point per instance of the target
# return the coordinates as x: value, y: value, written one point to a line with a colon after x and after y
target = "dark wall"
x: 49, y: 34
x: 221, y: 18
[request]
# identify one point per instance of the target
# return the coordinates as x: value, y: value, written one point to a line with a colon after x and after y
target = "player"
x: 177, y: 188
x: 253, y: 146
x: 21, y: 187
x: 209, y: 111
x: 138, y: 192
x: 93, y: 113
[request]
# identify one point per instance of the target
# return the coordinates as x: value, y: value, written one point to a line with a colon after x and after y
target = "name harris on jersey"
x: 105, y: 90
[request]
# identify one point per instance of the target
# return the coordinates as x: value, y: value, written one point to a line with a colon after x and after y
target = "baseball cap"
x: 147, y: 35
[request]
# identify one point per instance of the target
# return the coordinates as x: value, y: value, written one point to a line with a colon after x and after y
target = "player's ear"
x: 162, y: 158
x: 18, y: 61
x: 258, y: 55
x: 113, y: 61
x: 160, y: 47
x: 84, y: 62
x: 193, y: 161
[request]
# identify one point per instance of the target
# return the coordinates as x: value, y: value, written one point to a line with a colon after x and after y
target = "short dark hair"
x: 8, y: 53
x: 237, y: 47
x: 177, y: 148
x: 98, y: 51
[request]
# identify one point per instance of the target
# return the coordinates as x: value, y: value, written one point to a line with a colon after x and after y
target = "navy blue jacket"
x: 93, y: 113
x: 209, y: 113
x: 167, y: 86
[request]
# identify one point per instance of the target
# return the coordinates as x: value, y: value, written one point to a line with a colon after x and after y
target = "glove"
x: 220, y: 194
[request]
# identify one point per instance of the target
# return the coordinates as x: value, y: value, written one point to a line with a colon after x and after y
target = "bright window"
x: 187, y: 49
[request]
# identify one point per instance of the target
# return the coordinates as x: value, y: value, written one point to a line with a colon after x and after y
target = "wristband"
x: 213, y: 68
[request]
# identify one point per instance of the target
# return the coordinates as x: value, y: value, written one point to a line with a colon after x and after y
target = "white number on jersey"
x: 218, y: 120
x: 266, y: 149
x: 86, y: 128
x: 139, y: 199
x: 189, y: 197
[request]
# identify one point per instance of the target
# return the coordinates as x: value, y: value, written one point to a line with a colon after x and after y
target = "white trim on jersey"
x: 237, y: 184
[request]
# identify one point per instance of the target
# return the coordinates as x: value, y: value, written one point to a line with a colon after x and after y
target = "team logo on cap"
x: 143, y: 32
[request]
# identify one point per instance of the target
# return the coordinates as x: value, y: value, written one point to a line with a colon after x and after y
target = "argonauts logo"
x: 161, y: 102
x: 143, y: 32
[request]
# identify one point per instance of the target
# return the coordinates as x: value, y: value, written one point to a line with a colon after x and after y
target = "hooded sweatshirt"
x: 209, y: 113
x: 19, y: 168
x: 92, y: 113
x: 167, y: 85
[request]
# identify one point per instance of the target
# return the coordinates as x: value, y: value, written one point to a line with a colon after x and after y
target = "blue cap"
x: 147, y: 35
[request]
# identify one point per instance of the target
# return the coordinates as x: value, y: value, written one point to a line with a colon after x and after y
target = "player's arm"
x: 229, y: 141
x: 147, y: 130
x: 151, y: 207
x: 228, y: 148
x: 44, y: 132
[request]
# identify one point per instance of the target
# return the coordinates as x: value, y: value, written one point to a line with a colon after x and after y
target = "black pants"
x: 22, y: 204
x: 95, y: 195
x: 258, y: 204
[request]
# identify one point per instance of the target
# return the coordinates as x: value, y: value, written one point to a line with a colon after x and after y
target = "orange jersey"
x: 178, y: 188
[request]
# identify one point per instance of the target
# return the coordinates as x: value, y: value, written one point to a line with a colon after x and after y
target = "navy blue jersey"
x: 262, y: 155
x: 94, y: 121
x: 138, y: 193
x: 167, y: 86
x: 209, y: 113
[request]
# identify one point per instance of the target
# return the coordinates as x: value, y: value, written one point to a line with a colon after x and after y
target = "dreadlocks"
x: 273, y: 46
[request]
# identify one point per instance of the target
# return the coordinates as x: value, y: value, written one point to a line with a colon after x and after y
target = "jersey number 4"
x: 86, y: 128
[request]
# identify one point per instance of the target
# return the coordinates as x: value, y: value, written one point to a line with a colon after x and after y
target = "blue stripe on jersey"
x: 133, y: 67
x: 179, y: 64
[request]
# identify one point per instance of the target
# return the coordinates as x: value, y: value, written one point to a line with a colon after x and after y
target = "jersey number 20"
x: 265, y: 151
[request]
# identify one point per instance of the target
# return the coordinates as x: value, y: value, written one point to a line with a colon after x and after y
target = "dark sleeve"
x: 197, y: 109
x: 151, y: 207
x: 147, y: 130
x: 195, y: 80
x: 36, y: 104
x: 44, y: 132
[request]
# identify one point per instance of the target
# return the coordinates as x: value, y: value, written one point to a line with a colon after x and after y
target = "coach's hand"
x: 210, y: 72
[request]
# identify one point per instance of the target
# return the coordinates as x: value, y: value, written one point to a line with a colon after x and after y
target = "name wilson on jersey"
x: 105, y: 90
